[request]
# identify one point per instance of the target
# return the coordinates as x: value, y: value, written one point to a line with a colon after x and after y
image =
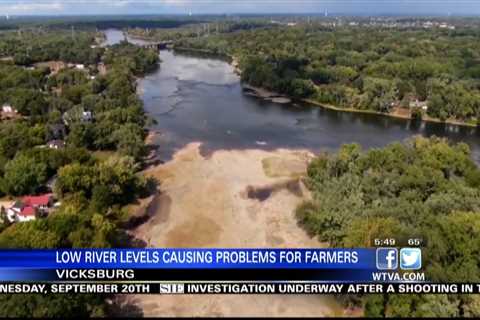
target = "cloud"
x: 29, y: 7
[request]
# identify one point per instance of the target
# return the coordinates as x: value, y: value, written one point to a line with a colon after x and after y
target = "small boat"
x: 261, y: 143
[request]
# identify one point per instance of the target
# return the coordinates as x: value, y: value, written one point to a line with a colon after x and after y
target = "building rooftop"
x: 27, y: 211
x: 42, y: 200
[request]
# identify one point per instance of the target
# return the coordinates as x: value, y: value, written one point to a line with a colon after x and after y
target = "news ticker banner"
x: 281, y: 287
x: 330, y: 265
x: 218, y: 271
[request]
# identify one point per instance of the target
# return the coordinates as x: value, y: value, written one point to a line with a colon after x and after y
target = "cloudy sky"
x: 75, y: 7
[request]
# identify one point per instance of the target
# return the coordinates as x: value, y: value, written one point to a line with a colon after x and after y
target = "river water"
x: 201, y: 99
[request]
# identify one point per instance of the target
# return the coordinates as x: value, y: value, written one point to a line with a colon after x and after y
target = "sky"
x: 351, y: 7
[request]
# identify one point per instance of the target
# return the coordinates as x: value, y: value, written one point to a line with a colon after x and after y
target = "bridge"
x: 157, y: 45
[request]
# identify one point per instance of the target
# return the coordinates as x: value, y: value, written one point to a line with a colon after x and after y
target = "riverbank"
x: 223, y: 200
x: 265, y: 94
x: 276, y: 97
x: 233, y: 199
x: 425, y: 118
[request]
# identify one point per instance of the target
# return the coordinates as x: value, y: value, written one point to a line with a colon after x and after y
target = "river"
x: 201, y: 99
x: 202, y: 204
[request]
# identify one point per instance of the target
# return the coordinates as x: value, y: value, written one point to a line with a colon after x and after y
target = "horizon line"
x: 330, y: 14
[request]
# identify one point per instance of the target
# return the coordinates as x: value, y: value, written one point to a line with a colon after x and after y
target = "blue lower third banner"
x: 331, y: 265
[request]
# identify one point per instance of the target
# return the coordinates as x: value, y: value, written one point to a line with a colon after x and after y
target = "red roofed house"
x: 42, y: 202
x: 27, y: 214
x: 28, y: 208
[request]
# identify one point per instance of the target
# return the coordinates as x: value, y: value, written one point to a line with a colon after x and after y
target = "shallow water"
x: 201, y: 99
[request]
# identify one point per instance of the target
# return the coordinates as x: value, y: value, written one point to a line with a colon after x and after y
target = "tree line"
x: 367, y: 68
x: 93, y: 191
x: 422, y: 188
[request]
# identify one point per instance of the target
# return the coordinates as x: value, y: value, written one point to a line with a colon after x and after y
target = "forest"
x: 29, y: 46
x: 433, y: 72
x: 95, y: 173
x: 196, y: 29
x: 93, y: 22
x: 421, y: 188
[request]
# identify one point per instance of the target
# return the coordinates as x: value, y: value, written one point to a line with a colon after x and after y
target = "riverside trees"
x: 423, y: 188
x: 368, y: 68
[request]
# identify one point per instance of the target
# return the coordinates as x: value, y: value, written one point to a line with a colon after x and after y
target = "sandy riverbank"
x: 239, y: 198
x: 265, y: 94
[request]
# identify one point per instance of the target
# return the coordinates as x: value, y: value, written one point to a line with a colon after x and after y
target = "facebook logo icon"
x: 387, y: 258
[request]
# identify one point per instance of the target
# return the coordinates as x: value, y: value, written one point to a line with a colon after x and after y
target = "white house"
x: 19, y: 212
x: 7, y: 108
x: 419, y: 104
x: 27, y: 214
x: 77, y: 114
x: 29, y: 207
x: 56, y: 144
x: 87, y: 116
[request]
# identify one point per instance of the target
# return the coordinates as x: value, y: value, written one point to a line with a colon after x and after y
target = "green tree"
x: 421, y: 188
x: 129, y: 139
x: 23, y: 175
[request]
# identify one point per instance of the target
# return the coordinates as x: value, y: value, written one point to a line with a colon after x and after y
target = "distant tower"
x: 190, y: 13
x: 7, y: 17
x: 326, y: 13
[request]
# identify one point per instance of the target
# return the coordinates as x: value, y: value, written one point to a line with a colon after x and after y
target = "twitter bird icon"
x: 410, y: 258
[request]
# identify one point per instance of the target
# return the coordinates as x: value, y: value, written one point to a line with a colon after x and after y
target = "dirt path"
x: 241, y: 198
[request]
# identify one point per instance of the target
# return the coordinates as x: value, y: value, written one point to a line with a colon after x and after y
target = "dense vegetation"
x: 197, y: 29
x: 367, y: 68
x: 93, y: 190
x: 46, y: 101
x: 90, y: 23
x: 423, y: 188
x: 27, y: 47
